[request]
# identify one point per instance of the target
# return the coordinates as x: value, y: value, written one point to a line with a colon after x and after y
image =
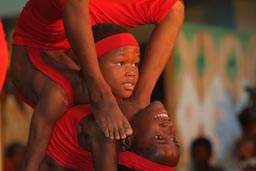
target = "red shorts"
x: 52, y: 66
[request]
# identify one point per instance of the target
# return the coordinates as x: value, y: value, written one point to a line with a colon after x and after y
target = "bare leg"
x: 51, y: 100
x: 52, y: 105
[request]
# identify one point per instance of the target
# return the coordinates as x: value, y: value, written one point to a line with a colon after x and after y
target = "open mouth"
x: 129, y: 86
x: 161, y: 115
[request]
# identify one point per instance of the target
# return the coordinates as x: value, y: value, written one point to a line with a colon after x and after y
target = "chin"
x: 126, y: 95
x: 174, y: 160
x: 172, y: 157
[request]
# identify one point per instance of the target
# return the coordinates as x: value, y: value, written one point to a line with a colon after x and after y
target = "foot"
x: 111, y: 120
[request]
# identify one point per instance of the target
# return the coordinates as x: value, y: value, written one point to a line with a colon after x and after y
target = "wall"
x: 204, y: 83
x: 9, y: 8
x: 245, y: 14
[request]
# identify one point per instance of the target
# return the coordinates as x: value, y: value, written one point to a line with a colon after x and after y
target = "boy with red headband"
x: 58, y: 25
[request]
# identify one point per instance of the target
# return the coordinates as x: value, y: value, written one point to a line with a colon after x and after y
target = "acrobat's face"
x: 154, y: 135
x: 120, y: 69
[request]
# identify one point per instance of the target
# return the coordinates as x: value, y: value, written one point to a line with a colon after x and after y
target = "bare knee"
x: 54, y: 102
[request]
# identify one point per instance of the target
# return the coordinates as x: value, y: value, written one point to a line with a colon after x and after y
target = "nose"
x: 131, y: 71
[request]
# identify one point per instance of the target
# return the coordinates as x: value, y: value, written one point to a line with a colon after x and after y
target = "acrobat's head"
x: 154, y: 136
x: 119, y: 57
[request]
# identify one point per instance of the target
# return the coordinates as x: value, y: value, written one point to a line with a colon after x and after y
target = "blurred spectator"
x: 13, y: 156
x: 242, y: 156
x: 247, y: 116
x: 246, y: 153
x: 246, y: 145
x: 201, y: 153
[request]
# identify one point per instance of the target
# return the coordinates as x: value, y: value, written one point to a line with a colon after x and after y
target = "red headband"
x: 115, y: 41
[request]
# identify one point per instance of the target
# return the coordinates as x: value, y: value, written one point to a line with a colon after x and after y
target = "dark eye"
x: 159, y: 137
x: 120, y: 63
x: 136, y: 65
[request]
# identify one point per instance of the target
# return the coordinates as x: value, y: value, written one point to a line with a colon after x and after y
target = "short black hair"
x: 103, y: 30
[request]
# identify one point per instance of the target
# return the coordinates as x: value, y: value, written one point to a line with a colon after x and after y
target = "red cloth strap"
x: 139, y: 163
x: 37, y: 60
x: 115, y: 41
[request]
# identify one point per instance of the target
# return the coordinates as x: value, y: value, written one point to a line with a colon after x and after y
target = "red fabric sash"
x: 115, y: 41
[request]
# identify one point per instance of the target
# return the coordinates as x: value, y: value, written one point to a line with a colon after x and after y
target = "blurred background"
x: 208, y: 86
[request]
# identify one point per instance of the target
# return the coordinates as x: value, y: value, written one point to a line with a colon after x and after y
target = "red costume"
x: 65, y: 150
x: 3, y: 56
x: 40, y: 26
x: 40, y: 23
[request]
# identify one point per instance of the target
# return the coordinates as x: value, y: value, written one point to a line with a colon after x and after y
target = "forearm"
x: 158, y: 51
x: 79, y: 32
